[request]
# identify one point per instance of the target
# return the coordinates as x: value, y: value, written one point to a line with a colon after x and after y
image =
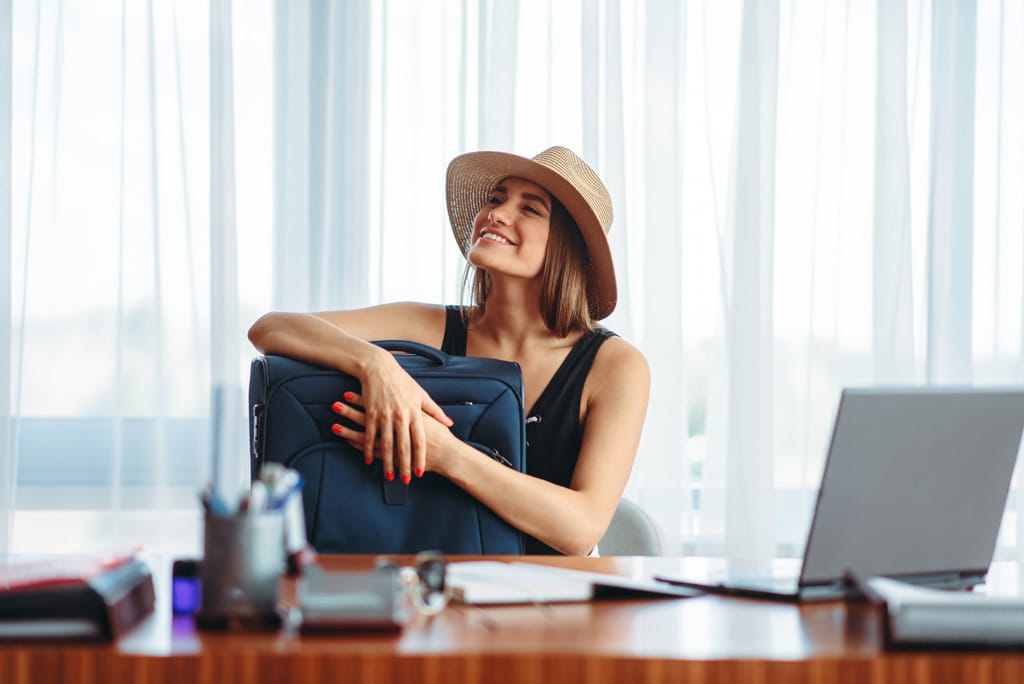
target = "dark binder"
x: 101, y: 607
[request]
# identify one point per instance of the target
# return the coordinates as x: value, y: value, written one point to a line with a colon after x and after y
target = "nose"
x: 498, y: 214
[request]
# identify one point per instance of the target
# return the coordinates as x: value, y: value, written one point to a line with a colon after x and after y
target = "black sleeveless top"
x: 553, y: 430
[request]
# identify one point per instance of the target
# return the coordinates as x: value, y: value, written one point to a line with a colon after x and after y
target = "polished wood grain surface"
x: 703, y: 639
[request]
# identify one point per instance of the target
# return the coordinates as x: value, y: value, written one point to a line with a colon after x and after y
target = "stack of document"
x: 920, y: 616
x: 73, y: 597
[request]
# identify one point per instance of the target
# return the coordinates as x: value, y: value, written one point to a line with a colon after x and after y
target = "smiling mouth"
x: 494, y: 237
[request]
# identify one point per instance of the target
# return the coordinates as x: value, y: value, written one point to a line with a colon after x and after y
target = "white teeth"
x: 497, y: 238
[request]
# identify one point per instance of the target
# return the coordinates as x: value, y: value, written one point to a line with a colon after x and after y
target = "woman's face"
x: 510, y: 234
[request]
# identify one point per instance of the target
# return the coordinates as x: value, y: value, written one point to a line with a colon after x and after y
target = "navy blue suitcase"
x: 349, y: 506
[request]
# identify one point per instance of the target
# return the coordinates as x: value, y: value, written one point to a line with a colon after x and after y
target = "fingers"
x: 380, y: 440
x: 371, y: 440
x: 403, y: 466
x: 431, y: 408
x: 384, y: 437
x: 419, y: 448
x: 399, y: 440
x: 355, y: 415
x: 357, y: 438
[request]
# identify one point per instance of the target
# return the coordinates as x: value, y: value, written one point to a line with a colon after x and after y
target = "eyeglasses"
x: 423, y: 582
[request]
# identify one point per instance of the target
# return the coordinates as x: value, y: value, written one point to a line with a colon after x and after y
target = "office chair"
x: 632, y: 532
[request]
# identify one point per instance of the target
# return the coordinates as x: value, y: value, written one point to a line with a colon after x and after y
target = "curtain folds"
x: 108, y: 325
x: 323, y: 100
x: 230, y: 474
x: 951, y: 203
x: 665, y: 489
x: 8, y: 473
x: 892, y: 303
x: 808, y: 195
x: 748, y: 313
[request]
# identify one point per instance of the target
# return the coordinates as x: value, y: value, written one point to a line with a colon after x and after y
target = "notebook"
x: 914, y: 486
x: 502, y: 583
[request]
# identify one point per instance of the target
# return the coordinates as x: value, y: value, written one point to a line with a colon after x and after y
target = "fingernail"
x: 406, y: 479
x: 369, y: 460
x: 336, y: 429
x: 419, y: 472
x: 337, y: 406
x: 389, y: 476
x: 347, y: 396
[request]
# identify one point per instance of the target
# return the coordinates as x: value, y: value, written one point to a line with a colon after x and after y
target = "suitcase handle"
x: 436, y: 355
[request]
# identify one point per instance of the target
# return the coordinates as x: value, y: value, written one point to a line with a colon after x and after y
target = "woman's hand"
x: 404, y: 438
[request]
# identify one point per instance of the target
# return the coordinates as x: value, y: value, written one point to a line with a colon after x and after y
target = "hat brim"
x: 470, y: 180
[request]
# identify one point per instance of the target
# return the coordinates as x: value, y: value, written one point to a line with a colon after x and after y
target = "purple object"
x: 186, y: 588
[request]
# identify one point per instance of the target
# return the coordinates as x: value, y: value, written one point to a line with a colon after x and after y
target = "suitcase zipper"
x: 496, y: 455
x: 488, y: 450
x: 257, y: 413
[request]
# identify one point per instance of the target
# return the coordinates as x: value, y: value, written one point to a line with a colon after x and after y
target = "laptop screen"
x: 915, y: 482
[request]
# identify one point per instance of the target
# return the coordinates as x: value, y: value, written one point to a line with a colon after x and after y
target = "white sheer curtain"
x: 798, y: 192
x: 121, y: 325
x: 7, y: 474
x: 808, y: 195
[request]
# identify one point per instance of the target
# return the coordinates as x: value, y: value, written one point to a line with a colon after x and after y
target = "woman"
x: 534, y: 232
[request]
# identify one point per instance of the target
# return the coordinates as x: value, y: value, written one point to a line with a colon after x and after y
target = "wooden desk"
x: 704, y: 639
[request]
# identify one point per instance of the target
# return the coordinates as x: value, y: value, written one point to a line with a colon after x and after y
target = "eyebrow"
x: 528, y: 195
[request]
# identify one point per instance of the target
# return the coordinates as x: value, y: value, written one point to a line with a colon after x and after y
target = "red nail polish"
x: 369, y: 460
x: 406, y: 479
x: 419, y: 472
x: 337, y: 406
x: 389, y: 476
x: 347, y: 396
x: 336, y: 429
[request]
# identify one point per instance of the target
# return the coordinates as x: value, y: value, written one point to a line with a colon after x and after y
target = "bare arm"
x: 339, y: 338
x: 570, y: 519
x: 395, y: 403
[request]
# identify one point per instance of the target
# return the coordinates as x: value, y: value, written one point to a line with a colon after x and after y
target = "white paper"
x: 922, y: 614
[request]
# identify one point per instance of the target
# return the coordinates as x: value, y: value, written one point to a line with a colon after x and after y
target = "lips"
x: 494, y: 236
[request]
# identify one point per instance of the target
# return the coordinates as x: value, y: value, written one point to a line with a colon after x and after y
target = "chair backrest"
x: 632, y: 532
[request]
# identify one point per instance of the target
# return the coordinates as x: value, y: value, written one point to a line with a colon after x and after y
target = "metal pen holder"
x: 243, y: 560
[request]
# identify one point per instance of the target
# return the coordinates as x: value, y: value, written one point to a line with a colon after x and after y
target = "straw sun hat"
x: 472, y: 177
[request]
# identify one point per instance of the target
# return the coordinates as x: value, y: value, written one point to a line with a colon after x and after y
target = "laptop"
x: 914, y: 487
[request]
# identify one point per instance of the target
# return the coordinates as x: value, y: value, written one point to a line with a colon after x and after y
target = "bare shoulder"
x: 414, y: 321
x: 619, y: 367
x: 617, y: 356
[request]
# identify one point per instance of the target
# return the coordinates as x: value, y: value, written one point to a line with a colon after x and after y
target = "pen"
x: 288, y: 484
x: 270, y: 473
x: 257, y: 498
x: 213, y: 504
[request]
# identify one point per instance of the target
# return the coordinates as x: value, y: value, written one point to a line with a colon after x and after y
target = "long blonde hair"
x: 563, y: 298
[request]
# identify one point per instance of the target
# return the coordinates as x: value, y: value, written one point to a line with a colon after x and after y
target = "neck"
x: 503, y: 321
x: 512, y: 318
